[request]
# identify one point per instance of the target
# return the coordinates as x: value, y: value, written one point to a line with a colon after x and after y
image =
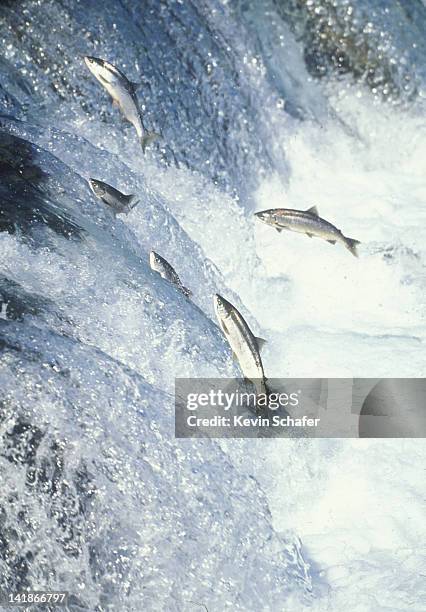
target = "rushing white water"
x: 97, y: 496
x: 355, y: 504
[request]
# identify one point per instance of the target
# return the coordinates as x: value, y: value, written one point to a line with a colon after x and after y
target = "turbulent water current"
x: 260, y: 104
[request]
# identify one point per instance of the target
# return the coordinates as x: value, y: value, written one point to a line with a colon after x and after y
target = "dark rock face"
x: 190, y: 76
x: 377, y: 43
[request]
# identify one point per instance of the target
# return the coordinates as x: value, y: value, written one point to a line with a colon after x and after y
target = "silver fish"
x: 122, y: 91
x: 117, y: 201
x: 306, y: 222
x: 244, y: 344
x: 166, y: 271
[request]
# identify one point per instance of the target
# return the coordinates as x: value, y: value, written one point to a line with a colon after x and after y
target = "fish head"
x: 267, y: 216
x: 154, y: 260
x: 98, y: 187
x: 222, y: 307
x: 99, y: 68
x: 94, y: 64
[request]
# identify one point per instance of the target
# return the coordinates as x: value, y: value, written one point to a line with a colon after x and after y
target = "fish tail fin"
x: 132, y: 202
x: 261, y: 386
x: 351, y: 245
x: 147, y: 138
x: 268, y: 390
x: 264, y: 392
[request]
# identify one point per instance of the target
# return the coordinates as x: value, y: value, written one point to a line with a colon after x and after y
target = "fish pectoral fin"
x: 186, y: 291
x: 260, y: 343
x: 313, y: 211
x: 279, y: 229
x: 223, y: 327
x: 331, y: 241
x: 310, y: 235
x: 234, y: 357
x: 134, y: 85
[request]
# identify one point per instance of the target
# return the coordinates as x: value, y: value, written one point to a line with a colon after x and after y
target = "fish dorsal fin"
x: 313, y: 211
x: 260, y: 343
